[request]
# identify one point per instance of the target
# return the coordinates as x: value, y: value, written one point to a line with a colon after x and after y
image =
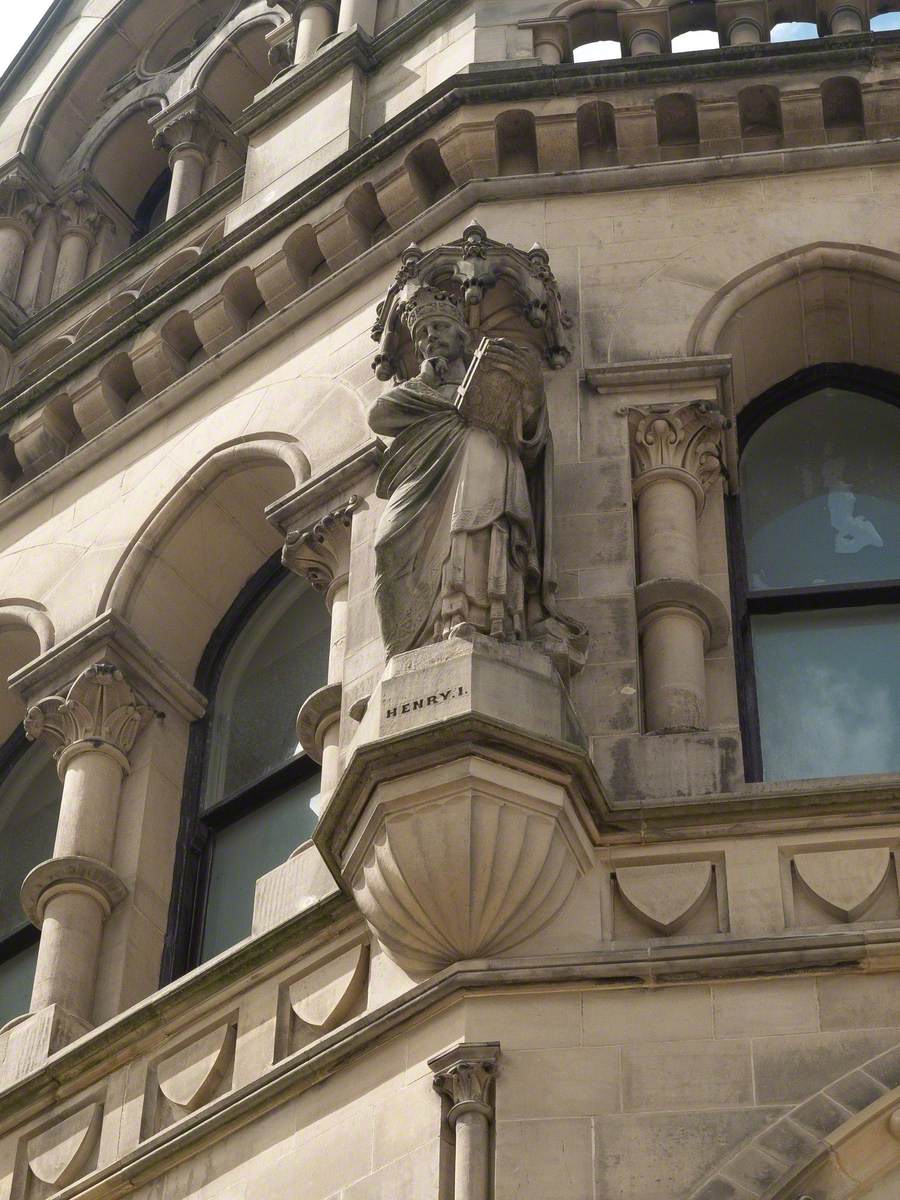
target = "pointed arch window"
x: 30, y: 793
x: 819, y: 605
x: 257, y: 798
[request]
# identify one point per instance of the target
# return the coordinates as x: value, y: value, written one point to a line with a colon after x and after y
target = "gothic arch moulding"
x: 179, y: 574
x: 25, y: 632
x: 825, y: 302
x: 842, y: 1143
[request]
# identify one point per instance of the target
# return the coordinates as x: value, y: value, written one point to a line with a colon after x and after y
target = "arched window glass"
x: 30, y: 793
x: 820, y: 508
x: 259, y: 793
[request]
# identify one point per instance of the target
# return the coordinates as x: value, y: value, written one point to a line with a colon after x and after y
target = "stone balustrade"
x: 619, y: 128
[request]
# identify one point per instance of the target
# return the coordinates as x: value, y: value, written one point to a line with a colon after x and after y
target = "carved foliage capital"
x: 99, y: 708
x: 77, y: 211
x: 321, y: 551
x: 680, y: 437
x: 465, y: 1075
x: 20, y: 200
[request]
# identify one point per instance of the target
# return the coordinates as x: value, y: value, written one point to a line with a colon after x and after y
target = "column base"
x: 28, y: 1041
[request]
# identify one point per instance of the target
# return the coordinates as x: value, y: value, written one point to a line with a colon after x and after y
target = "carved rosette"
x: 465, y: 1075
x: 100, y: 711
x: 321, y: 551
x: 684, y: 440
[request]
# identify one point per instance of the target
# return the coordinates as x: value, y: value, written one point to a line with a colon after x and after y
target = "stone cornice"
x: 139, y: 1029
x: 108, y: 636
x: 512, y: 82
x: 747, y: 165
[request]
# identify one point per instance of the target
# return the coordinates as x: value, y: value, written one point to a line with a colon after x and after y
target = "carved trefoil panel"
x: 322, y: 998
x: 182, y: 1081
x: 668, y: 898
x: 840, y: 884
x: 59, y: 1153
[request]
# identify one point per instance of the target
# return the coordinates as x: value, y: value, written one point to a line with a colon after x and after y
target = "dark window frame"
x: 868, y: 381
x: 12, y: 752
x: 196, y: 835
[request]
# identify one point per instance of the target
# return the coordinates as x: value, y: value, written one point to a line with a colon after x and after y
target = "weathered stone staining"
x: 554, y: 935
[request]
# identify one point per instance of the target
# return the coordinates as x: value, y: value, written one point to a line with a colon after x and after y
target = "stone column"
x: 315, y: 21
x: 321, y: 553
x: 19, y: 213
x: 552, y: 42
x: 676, y: 456
x: 92, y: 729
x: 189, y: 129
x: 465, y: 1077
x: 79, y: 223
x: 358, y: 12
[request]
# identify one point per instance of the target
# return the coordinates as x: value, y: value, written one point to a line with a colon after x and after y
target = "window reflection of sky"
x: 829, y: 692
x: 821, y: 493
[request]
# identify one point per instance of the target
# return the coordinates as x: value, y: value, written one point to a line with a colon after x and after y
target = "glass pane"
x: 820, y: 493
x: 16, y: 980
x: 278, y: 659
x: 828, y: 689
x: 244, y: 851
x: 29, y: 810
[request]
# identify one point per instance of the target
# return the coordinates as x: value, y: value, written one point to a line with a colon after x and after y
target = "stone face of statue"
x: 443, y: 347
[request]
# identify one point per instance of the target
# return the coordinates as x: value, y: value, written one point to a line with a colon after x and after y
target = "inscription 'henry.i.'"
x: 419, y: 702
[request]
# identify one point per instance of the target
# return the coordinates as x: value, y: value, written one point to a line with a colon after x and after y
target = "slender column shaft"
x: 188, y: 168
x: 13, y: 244
x: 71, y: 266
x: 90, y: 800
x: 337, y: 601
x: 69, y: 950
x: 744, y: 32
x: 674, y: 670
x: 667, y: 529
x: 472, y: 1150
x: 358, y: 12
x: 549, y: 53
x: 314, y: 24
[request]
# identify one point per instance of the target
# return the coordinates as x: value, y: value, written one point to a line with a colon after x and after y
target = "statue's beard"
x: 435, y: 369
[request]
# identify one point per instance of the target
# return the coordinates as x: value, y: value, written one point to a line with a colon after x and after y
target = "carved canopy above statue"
x: 506, y: 293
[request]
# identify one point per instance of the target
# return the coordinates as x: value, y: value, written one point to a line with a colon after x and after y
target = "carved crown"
x: 498, y: 290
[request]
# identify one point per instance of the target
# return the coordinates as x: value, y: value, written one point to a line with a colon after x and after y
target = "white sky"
x: 18, y: 19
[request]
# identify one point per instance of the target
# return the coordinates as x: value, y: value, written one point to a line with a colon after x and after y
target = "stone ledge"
x: 96, y: 1054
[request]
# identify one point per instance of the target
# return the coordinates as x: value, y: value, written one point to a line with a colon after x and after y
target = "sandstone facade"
x: 695, y: 996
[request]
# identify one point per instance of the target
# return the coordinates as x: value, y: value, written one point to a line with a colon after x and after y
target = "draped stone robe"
x: 458, y: 543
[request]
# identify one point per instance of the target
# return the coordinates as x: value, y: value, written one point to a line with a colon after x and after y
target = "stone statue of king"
x: 463, y: 545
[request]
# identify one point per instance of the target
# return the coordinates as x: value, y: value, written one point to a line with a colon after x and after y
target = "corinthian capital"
x: 683, y: 439
x: 99, y: 711
x: 78, y: 211
x: 465, y: 1075
x: 191, y: 123
x: 321, y: 551
x: 20, y: 199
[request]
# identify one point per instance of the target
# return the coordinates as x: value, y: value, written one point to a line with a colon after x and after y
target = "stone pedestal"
x: 469, y: 807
